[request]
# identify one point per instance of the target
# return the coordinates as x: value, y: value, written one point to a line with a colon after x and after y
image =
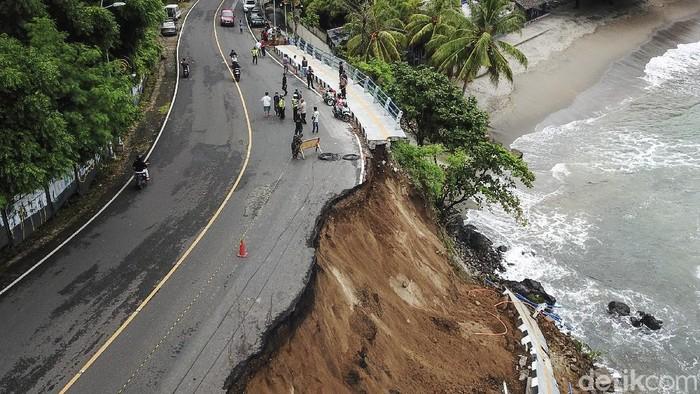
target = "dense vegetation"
x: 61, y: 101
x: 454, y: 161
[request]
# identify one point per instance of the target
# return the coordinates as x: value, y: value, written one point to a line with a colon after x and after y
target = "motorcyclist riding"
x: 185, y: 67
x: 234, y: 57
x: 141, y: 166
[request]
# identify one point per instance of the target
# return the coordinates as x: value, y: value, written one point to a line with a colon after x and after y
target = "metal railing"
x: 358, y: 77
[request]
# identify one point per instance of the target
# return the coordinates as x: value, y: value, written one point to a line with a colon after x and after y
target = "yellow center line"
x: 199, y: 237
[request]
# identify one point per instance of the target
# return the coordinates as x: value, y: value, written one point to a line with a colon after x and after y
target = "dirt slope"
x: 387, y: 313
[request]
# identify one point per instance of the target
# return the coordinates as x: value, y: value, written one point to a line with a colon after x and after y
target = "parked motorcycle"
x: 342, y: 112
x: 329, y: 97
x: 185, y: 70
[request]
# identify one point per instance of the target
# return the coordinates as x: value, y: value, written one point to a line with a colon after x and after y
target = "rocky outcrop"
x: 531, y: 289
x: 647, y: 320
x: 618, y: 308
x: 476, y: 247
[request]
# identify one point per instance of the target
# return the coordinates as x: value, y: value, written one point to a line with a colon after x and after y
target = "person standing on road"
x: 314, y: 121
x: 296, y: 145
x: 281, y: 108
x: 341, y: 69
x: 284, y: 84
x: 304, y: 66
x: 295, y: 107
x: 276, y: 103
x: 240, y: 25
x: 254, y: 52
x: 343, y: 85
x: 267, y: 101
x: 299, y: 126
x: 262, y: 48
x: 302, y: 110
x: 310, y: 78
x: 285, y: 63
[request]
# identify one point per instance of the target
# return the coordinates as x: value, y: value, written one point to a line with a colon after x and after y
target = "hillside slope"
x: 386, y: 312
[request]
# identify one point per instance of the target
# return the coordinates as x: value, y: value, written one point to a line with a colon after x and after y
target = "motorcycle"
x: 185, y: 70
x: 342, y: 112
x: 329, y: 97
x: 236, y: 71
x: 140, y: 179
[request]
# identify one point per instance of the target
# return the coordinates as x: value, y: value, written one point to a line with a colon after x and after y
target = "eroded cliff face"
x: 386, y: 312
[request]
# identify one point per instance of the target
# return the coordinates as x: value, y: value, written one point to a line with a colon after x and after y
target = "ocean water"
x: 615, y: 211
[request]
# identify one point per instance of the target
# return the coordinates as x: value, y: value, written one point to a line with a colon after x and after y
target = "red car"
x: 227, y: 18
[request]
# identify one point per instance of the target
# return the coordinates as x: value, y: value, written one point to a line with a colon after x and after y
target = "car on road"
x: 168, y: 28
x: 227, y: 18
x: 248, y: 5
x: 256, y: 20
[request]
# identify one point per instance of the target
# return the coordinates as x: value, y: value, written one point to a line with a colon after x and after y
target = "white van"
x: 172, y: 11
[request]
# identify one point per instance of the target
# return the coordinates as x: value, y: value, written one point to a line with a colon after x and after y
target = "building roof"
x: 527, y: 4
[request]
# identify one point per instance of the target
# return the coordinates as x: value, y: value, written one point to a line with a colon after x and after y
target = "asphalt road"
x: 212, y: 310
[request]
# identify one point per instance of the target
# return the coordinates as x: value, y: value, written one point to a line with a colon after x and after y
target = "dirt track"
x: 388, y: 313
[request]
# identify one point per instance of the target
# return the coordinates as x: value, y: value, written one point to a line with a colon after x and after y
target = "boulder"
x: 478, y: 246
x: 532, y: 290
x: 646, y: 319
x: 618, y: 308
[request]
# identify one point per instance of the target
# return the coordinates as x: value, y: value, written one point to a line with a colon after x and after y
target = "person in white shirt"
x: 314, y: 121
x: 302, y: 110
x: 267, y: 101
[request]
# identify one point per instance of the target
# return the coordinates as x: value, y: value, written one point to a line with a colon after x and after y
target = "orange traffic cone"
x: 242, y: 251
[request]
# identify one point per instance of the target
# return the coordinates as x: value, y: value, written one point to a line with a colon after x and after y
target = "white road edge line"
x: 128, y: 182
x: 357, y: 139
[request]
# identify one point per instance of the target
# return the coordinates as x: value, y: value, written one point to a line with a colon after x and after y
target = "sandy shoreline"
x: 552, y: 84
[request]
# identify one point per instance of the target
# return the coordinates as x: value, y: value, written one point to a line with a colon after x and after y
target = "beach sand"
x: 560, y: 69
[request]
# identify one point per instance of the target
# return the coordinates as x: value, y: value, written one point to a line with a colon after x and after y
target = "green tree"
x: 485, y: 173
x: 59, y: 105
x: 15, y: 13
x: 94, y: 98
x: 461, y: 50
x: 434, y: 110
x: 436, y: 16
x: 380, y: 72
x: 376, y: 31
x: 35, y: 145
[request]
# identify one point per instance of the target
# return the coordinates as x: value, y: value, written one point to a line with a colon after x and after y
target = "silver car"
x: 168, y: 28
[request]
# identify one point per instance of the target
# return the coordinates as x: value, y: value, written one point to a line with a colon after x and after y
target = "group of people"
x: 278, y: 102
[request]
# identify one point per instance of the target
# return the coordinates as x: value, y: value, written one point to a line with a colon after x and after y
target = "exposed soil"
x: 111, y: 175
x: 385, y: 311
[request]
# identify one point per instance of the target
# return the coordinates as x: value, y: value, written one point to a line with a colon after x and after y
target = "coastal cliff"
x: 389, y: 308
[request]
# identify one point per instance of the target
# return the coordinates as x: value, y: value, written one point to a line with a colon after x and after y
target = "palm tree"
x: 472, y: 44
x: 439, y: 14
x: 376, y: 32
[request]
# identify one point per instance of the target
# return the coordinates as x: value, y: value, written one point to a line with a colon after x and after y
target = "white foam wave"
x: 560, y: 171
x: 631, y: 151
x: 673, y: 65
x: 548, y: 133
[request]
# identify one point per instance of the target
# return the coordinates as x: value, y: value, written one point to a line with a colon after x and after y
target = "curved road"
x: 211, y: 312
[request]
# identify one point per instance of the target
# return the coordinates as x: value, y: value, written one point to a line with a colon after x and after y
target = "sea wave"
x: 560, y: 171
x: 675, y: 64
